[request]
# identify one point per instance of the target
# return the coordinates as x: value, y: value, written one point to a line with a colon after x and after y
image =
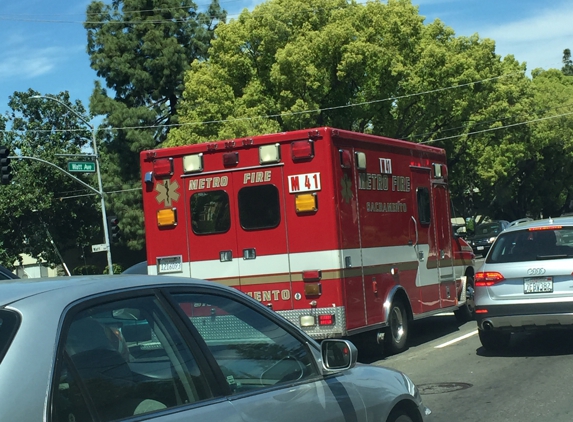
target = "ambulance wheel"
x: 467, y: 311
x: 397, y: 333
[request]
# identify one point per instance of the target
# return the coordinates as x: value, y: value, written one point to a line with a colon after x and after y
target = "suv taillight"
x: 484, y: 279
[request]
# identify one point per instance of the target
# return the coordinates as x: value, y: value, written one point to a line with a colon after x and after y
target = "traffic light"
x: 114, y: 229
x: 5, y: 169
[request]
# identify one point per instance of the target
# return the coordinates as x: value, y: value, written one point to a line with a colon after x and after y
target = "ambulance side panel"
x: 385, y: 244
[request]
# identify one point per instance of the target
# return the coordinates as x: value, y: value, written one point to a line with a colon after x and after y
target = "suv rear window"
x: 9, y: 322
x: 532, y: 245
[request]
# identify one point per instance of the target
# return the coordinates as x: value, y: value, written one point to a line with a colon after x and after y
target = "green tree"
x: 141, y: 48
x: 43, y: 202
x: 374, y: 67
x: 549, y: 186
x: 567, y: 68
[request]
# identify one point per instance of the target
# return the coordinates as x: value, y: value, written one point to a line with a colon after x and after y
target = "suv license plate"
x: 538, y: 285
x: 169, y: 264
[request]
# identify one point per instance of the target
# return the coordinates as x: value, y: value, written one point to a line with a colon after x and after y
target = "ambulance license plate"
x: 169, y: 264
x: 538, y: 285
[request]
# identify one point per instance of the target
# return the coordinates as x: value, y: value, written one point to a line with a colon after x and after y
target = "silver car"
x: 153, y: 348
x: 526, y: 281
x: 6, y: 274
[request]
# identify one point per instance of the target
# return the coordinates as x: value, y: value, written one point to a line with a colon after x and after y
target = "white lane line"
x: 447, y: 343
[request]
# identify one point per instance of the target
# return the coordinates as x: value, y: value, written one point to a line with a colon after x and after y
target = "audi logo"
x: 535, y: 271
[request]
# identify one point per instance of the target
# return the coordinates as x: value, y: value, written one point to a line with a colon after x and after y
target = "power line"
x: 498, y: 128
x: 61, y: 198
x: 272, y: 116
x: 496, y: 119
x: 394, y: 98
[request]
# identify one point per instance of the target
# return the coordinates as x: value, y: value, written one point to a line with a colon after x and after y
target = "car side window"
x: 252, y: 351
x: 124, y: 358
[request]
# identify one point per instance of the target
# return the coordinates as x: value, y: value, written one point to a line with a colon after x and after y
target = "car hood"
x: 381, y: 388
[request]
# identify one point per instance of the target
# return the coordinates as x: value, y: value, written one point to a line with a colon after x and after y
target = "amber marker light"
x: 306, y: 202
x: 167, y: 217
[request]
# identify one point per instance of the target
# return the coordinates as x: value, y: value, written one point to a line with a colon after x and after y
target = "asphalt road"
x: 461, y: 382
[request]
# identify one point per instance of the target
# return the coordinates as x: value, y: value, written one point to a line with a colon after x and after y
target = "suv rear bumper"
x: 525, y: 316
x: 524, y: 322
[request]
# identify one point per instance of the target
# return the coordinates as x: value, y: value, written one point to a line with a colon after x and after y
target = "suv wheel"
x: 467, y: 311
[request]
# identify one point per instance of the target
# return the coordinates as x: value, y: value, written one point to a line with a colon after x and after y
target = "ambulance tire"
x: 467, y: 311
x: 396, y: 337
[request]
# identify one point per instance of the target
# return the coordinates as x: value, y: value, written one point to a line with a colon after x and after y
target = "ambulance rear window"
x: 210, y: 212
x: 259, y: 207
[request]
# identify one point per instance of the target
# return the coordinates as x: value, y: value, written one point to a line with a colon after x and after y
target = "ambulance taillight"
x: 230, y: 159
x: 163, y: 167
x: 312, y: 285
x: 326, y: 320
x: 312, y: 275
x: 302, y: 150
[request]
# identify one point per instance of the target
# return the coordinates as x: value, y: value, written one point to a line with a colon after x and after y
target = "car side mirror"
x: 338, y: 355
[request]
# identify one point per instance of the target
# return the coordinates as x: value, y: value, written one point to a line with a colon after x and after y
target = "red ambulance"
x: 340, y: 232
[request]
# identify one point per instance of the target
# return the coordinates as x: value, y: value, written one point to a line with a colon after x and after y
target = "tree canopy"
x: 141, y: 49
x: 374, y: 67
x: 567, y: 68
x: 45, y: 210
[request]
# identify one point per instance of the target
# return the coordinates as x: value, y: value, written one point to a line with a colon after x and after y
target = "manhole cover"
x: 442, y: 387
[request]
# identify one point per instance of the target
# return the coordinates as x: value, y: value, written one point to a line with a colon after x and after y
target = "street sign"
x: 102, y: 247
x: 81, y: 166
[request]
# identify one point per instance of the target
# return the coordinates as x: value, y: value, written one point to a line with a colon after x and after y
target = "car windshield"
x: 529, y: 245
x: 488, y: 229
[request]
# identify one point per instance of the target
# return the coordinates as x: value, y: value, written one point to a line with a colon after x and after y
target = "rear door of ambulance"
x: 238, y: 233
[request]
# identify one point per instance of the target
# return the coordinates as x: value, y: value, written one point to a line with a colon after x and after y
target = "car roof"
x: 139, y: 268
x: 6, y: 273
x: 520, y: 221
x: 84, y: 286
x: 493, y: 223
x: 559, y: 221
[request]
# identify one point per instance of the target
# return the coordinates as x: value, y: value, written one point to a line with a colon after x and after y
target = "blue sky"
x: 44, y: 43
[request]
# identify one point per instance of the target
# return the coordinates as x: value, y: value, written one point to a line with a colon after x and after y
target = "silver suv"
x: 526, y: 281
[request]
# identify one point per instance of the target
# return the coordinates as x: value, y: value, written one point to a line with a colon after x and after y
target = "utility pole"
x: 99, y: 191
